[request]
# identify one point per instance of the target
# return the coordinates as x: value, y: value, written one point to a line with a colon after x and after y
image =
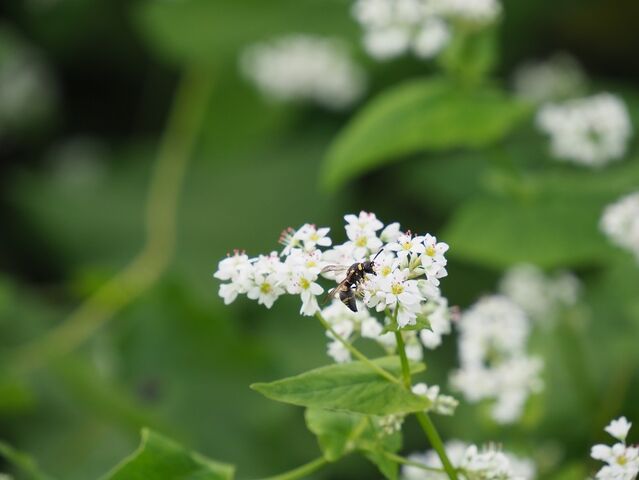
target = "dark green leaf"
x: 159, y: 458
x: 353, y: 387
x: 432, y: 114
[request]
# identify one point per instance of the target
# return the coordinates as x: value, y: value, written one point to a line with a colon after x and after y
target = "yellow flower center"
x: 622, y: 460
x: 385, y: 271
x: 430, y: 251
x: 406, y: 245
x: 266, y: 288
x: 397, y: 288
x: 305, y: 284
x: 361, y: 241
x: 314, y: 236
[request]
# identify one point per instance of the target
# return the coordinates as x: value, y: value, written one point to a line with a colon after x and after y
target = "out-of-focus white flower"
x: 619, y: 428
x: 557, y: 78
x: 27, y: 88
x: 305, y: 68
x: 394, y: 27
x: 540, y: 295
x: 390, y: 423
x: 338, y: 352
x: 622, y: 461
x: 591, y: 131
x: 494, y: 362
x: 620, y: 222
x: 486, y: 463
x: 442, y: 404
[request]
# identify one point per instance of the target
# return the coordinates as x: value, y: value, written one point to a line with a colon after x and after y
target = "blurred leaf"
x: 23, y: 461
x: 206, y: 30
x: 353, y: 386
x: 15, y: 396
x: 339, y: 433
x: 162, y: 459
x: 545, y: 231
x: 427, y: 114
x: 471, y: 54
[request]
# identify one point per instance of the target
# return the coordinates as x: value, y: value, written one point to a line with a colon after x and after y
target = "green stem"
x: 300, y: 472
x: 145, y: 269
x: 401, y: 349
x: 436, y: 442
x: 359, y: 355
x: 405, y: 461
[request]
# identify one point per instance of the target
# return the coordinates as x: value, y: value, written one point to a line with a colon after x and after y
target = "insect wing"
x: 341, y: 287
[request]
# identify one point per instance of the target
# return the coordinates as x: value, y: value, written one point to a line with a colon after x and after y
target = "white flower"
x: 620, y: 222
x: 407, y: 245
x: 487, y: 463
x: 303, y: 67
x: 541, y: 296
x: 390, y: 423
x: 308, y: 289
x: 622, y: 460
x: 265, y: 289
x: 338, y: 352
x: 590, y: 131
x: 494, y: 362
x: 390, y: 233
x: 442, y: 404
x: 619, y: 428
x: 559, y: 77
x: 394, y: 27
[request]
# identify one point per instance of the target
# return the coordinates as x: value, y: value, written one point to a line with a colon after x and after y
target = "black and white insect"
x: 354, y: 276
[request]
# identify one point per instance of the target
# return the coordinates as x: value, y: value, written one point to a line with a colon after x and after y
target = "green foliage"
x: 162, y: 459
x: 339, y: 433
x: 428, y: 114
x: 353, y: 387
x: 22, y: 461
x: 207, y: 31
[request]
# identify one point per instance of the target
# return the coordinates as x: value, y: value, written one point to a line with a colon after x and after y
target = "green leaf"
x: 471, y: 54
x: 339, y: 433
x: 23, y: 461
x: 388, y: 467
x: 162, y: 459
x: 427, y: 114
x: 545, y: 231
x: 207, y: 30
x: 353, y: 387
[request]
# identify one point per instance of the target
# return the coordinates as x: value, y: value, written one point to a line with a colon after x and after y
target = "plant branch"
x: 301, y: 471
x: 406, y: 461
x: 176, y: 147
x: 356, y: 353
x: 401, y: 349
x: 436, y: 442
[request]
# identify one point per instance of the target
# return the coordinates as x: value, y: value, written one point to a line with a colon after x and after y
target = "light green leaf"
x: 159, y: 458
x: 339, y: 433
x: 353, y: 387
x: 22, y: 461
x: 546, y: 231
x: 432, y: 114
x: 207, y: 30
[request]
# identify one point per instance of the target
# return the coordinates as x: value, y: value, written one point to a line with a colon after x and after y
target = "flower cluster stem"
x: 356, y: 353
x: 436, y: 442
x: 301, y: 471
x: 401, y: 348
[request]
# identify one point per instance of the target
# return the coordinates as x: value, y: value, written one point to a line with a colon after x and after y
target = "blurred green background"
x: 78, y: 155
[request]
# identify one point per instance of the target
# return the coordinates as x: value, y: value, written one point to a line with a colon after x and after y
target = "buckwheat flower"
x: 472, y: 463
x: 390, y: 424
x: 303, y: 283
x: 557, y: 78
x: 591, y: 131
x: 431, y: 38
x: 441, y: 404
x: 265, y: 289
x: 238, y: 270
x: 476, y: 11
x: 414, y: 350
x: 620, y: 222
x: 622, y: 460
x: 619, y: 428
x: 371, y: 328
x: 338, y: 352
x: 407, y: 245
x: 494, y: 363
x: 390, y: 233
x: 361, y: 232
x: 540, y: 295
x: 304, y: 68
x: 307, y: 237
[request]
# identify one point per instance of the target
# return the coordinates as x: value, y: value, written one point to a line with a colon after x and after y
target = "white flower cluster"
x: 591, y: 131
x: 540, y: 295
x: 404, y: 288
x: 557, y: 78
x: 488, y: 463
x: 393, y: 27
x: 441, y: 404
x: 622, y: 461
x: 620, y: 222
x: 494, y: 362
x: 305, y: 68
